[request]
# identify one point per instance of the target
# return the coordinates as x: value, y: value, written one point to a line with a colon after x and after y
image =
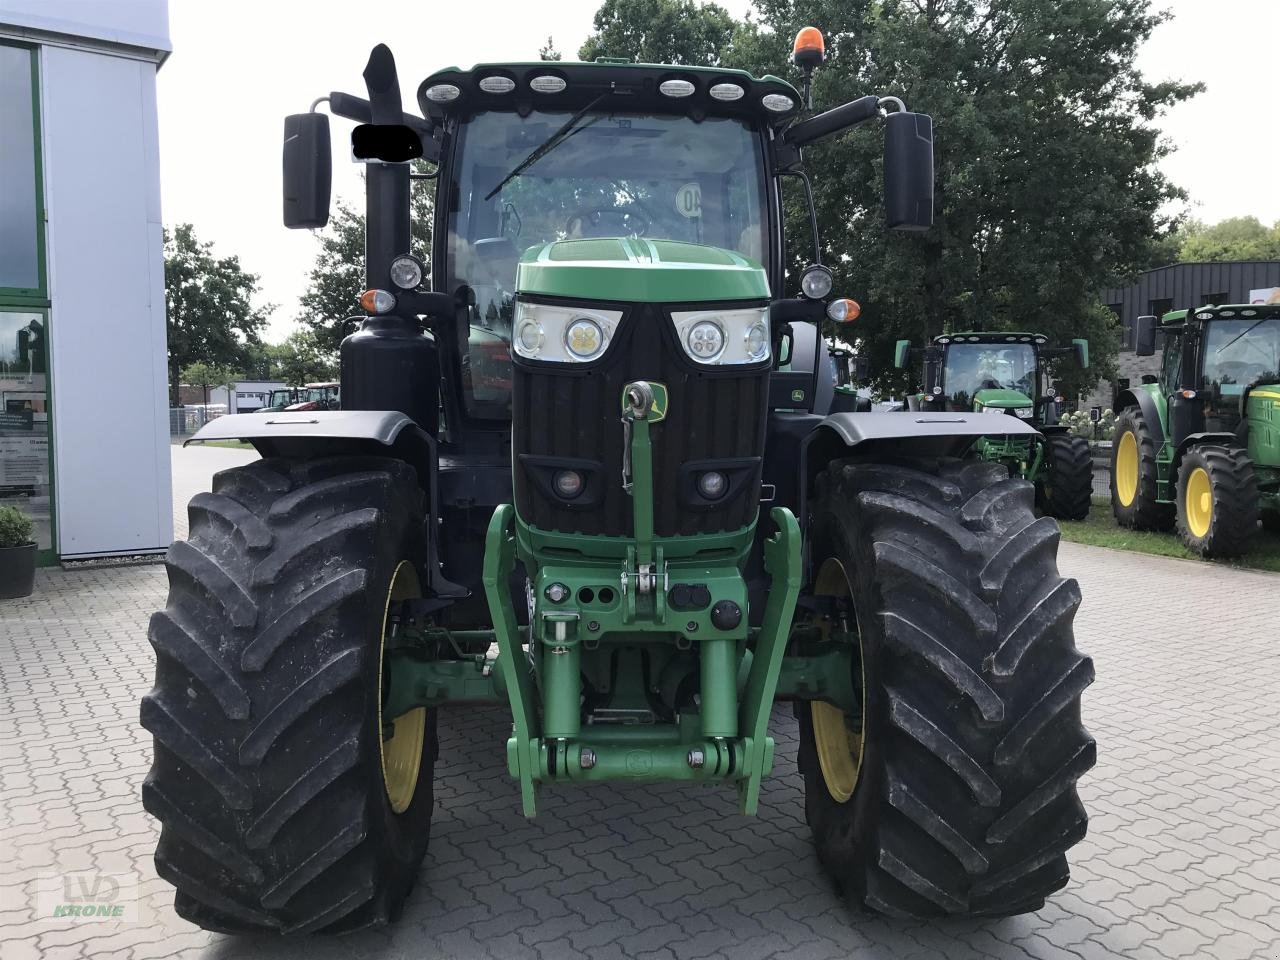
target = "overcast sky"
x: 239, y: 67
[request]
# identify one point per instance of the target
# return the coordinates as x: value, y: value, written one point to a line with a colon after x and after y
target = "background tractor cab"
x: 280, y: 399
x: 1007, y: 372
x: 317, y: 396
x: 1198, y: 444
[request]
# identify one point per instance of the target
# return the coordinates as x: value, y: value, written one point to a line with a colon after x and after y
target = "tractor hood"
x: 637, y: 270
x: 1001, y: 399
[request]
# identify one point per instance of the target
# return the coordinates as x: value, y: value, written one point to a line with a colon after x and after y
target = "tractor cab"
x: 994, y: 372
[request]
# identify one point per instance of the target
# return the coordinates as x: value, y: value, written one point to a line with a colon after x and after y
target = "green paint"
x: 639, y: 271
x: 1001, y: 399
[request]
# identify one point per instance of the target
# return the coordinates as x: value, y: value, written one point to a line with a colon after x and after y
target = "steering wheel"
x: 589, y: 219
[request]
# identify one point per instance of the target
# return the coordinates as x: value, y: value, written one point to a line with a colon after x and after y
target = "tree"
x: 1236, y: 238
x: 212, y: 319
x: 661, y: 31
x: 1046, y: 148
x: 337, y: 279
x: 206, y: 375
x: 549, y: 52
x: 301, y: 359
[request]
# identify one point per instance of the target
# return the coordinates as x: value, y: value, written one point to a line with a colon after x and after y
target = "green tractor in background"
x: 1008, y: 373
x: 1199, y: 445
x: 647, y: 513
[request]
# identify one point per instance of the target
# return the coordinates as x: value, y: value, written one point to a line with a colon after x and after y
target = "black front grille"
x: 573, y: 412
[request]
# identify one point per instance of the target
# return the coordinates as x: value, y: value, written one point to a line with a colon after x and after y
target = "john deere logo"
x: 797, y: 396
x: 659, y: 410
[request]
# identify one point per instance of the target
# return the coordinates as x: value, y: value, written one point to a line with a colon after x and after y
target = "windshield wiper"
x: 547, y: 145
x: 1241, y: 336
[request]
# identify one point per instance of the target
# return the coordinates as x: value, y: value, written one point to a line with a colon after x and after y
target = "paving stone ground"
x: 1182, y: 858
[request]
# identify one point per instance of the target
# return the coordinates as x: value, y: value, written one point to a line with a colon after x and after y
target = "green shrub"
x: 15, y: 527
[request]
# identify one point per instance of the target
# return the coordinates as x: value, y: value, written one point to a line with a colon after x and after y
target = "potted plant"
x: 17, y: 554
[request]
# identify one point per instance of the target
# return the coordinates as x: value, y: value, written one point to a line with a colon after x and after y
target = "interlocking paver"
x: 1183, y: 856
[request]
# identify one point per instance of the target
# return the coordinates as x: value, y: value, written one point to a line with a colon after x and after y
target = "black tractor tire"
x: 1145, y: 511
x: 1228, y: 527
x: 1065, y: 486
x: 268, y: 773
x: 964, y: 800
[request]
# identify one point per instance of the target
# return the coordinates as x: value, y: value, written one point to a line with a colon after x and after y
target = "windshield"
x: 1237, y: 352
x: 971, y: 367
x: 615, y: 175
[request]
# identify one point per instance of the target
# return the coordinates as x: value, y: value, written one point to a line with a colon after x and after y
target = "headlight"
x: 724, y: 336
x: 406, y: 272
x: 815, y: 282
x: 562, y: 334
x: 1024, y: 411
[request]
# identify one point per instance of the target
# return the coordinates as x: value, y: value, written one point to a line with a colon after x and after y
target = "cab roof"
x: 992, y: 336
x: 1227, y: 311
x: 629, y: 86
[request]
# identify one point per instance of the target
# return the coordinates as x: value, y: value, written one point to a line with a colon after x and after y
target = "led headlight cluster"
x: 724, y: 336
x: 562, y: 334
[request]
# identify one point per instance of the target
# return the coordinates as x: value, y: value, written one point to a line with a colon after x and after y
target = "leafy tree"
x: 1236, y: 238
x: 337, y: 279
x: 301, y: 359
x: 660, y: 31
x: 208, y: 299
x: 549, y: 51
x: 1045, y: 147
x: 207, y: 375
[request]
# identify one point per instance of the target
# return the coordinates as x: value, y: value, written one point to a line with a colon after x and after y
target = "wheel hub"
x: 403, y: 737
x: 839, y: 745
x: 1127, y: 469
x: 1199, y: 502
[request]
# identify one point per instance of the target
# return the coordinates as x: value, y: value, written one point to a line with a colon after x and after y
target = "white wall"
x: 138, y: 23
x: 107, y: 320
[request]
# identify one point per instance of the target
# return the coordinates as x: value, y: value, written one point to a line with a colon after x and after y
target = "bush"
x: 1081, y: 426
x: 15, y: 527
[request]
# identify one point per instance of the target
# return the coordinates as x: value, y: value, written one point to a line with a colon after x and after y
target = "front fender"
x: 919, y: 433
x: 1150, y: 410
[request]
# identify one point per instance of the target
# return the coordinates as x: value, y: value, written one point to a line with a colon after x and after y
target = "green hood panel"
x: 1001, y: 399
x: 638, y: 270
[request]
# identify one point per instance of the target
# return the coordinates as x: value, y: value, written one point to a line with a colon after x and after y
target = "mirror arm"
x: 813, y: 213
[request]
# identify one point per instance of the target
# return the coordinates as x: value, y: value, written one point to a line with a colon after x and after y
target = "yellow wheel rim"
x: 1198, y: 507
x: 402, y: 751
x: 839, y: 748
x: 1127, y: 469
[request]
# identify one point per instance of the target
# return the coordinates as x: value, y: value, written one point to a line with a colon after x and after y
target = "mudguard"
x: 318, y: 433
x: 944, y: 434
x: 1146, y: 405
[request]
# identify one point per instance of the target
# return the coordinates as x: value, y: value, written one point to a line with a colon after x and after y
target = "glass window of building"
x: 19, y: 189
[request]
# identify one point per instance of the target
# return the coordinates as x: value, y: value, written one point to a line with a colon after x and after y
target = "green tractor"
x: 1008, y: 373
x: 660, y: 531
x: 1201, y: 442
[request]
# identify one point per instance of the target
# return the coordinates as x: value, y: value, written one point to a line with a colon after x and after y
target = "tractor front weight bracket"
x: 603, y: 625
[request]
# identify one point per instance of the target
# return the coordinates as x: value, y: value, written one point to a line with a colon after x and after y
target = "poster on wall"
x: 1265, y: 295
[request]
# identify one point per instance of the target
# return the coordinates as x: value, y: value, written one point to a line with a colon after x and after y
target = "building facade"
x: 83, y: 410
x: 1178, y: 286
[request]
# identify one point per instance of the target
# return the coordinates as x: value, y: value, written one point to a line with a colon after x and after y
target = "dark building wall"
x: 1176, y: 287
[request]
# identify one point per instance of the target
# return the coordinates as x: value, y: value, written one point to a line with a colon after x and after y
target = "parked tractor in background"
x: 662, y: 529
x: 281, y: 399
x: 1008, y: 373
x: 1199, y: 446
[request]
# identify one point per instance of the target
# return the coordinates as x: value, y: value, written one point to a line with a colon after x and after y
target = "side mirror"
x: 859, y: 369
x: 308, y: 170
x: 900, y: 351
x: 1081, y: 347
x: 1144, y: 336
x: 385, y: 143
x: 908, y: 171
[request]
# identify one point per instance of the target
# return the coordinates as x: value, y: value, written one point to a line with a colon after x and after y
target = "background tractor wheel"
x: 284, y: 805
x: 1134, y: 476
x: 1217, y: 501
x: 1065, y: 488
x: 954, y: 792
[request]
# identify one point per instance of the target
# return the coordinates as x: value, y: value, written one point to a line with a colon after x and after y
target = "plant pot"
x: 17, y: 571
